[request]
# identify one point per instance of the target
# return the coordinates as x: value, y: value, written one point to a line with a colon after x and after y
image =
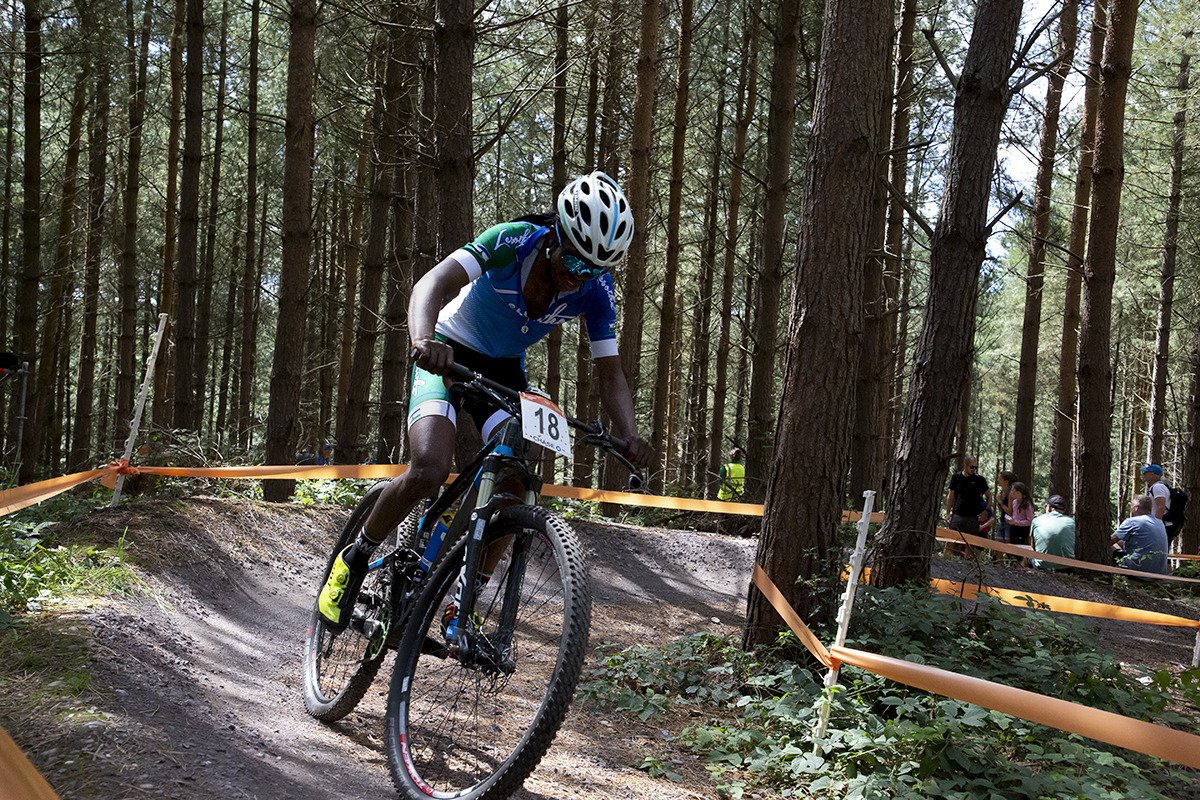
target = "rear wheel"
x: 474, y: 726
x: 339, y: 667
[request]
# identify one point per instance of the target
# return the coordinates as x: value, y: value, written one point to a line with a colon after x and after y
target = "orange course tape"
x: 958, y: 537
x: 781, y: 606
x: 1132, y: 734
x: 19, y: 778
x: 1065, y: 605
x: 24, y: 496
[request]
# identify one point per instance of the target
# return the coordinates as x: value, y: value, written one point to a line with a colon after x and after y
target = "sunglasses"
x: 583, y: 269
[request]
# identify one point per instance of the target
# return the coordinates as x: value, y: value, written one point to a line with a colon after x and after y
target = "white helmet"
x: 594, y: 214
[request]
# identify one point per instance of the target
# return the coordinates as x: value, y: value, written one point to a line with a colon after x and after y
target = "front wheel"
x: 475, y: 726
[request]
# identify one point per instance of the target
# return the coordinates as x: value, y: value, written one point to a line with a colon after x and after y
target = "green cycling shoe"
x: 336, y: 601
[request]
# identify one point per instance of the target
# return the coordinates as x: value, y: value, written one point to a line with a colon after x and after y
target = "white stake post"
x: 141, y: 404
x: 856, y: 560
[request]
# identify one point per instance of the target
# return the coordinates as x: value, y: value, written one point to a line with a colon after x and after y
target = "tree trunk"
x: 1093, y: 455
x: 744, y: 114
x: 189, y: 218
x: 1190, y: 479
x: 945, y: 348
x: 667, y: 354
x: 893, y: 343
x: 249, y: 316
x: 1023, y: 450
x: 299, y: 136
x: 80, y: 456
x: 204, y: 345
x: 1166, y: 291
x: 54, y: 330
x: 1062, y: 460
x: 160, y: 406
x: 826, y: 316
x: 31, y: 223
x: 781, y: 123
x: 454, y: 53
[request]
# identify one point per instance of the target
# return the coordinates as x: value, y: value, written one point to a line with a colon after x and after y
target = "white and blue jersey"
x: 489, y: 315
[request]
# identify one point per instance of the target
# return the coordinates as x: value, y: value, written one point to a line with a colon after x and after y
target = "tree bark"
x: 80, y: 456
x: 826, y: 322
x: 667, y: 354
x: 31, y: 224
x: 781, y: 123
x: 299, y: 136
x: 1166, y: 290
x: 945, y: 348
x: 189, y: 218
x: 744, y: 114
x: 454, y: 48
x: 1023, y: 449
x: 1093, y: 455
x: 1062, y: 460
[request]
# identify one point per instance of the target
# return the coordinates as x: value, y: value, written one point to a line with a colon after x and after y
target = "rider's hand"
x: 640, y: 452
x: 434, y: 356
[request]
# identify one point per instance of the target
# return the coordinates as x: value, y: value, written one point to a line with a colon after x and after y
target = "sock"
x: 359, y: 554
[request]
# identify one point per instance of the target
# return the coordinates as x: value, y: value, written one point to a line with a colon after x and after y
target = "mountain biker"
x: 526, y: 277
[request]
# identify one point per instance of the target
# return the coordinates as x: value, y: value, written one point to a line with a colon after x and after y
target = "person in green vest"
x: 733, y: 476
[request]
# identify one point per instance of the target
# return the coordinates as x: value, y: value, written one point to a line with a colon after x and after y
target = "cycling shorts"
x: 430, y: 397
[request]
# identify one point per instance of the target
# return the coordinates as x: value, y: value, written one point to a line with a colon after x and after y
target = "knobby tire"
x: 477, y: 732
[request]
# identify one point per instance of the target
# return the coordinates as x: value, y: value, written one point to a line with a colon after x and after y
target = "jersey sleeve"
x: 600, y: 316
x: 499, y: 246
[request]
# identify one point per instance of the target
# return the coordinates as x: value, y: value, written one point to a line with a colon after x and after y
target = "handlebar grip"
x: 636, y: 482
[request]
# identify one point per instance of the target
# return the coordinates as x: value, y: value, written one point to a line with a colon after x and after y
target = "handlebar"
x: 595, y: 433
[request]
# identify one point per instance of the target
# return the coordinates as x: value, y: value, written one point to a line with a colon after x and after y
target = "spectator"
x: 733, y: 476
x: 1022, y: 514
x: 969, y: 496
x: 1053, y: 533
x: 1004, y: 505
x: 1140, y: 542
x: 326, y: 456
x: 1159, y: 492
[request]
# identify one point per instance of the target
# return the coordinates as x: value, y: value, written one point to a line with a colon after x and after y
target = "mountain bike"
x: 485, y: 599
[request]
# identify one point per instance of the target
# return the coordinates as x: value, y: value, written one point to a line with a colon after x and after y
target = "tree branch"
x: 913, y: 214
x: 937, y: 51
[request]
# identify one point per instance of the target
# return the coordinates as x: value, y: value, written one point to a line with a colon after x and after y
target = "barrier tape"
x: 20, y: 779
x: 1064, y: 605
x: 958, y: 537
x: 1105, y: 726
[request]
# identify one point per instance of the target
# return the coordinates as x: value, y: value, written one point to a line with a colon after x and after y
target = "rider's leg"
x: 431, y: 444
x: 429, y: 466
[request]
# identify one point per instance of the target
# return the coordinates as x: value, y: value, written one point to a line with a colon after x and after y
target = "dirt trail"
x: 201, y: 683
x: 196, y: 688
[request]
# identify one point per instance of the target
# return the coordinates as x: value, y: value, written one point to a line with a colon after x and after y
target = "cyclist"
x: 525, y: 278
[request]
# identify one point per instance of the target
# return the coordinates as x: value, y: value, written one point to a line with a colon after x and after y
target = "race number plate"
x: 545, y: 423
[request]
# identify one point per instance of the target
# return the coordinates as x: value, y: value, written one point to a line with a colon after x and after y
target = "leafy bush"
x: 888, y: 740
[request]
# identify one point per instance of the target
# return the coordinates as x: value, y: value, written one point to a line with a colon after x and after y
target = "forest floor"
x: 192, y: 688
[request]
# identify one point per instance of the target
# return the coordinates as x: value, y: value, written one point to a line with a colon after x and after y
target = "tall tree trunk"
x: 393, y: 410
x: 744, y: 114
x: 781, y: 123
x: 1062, y: 460
x: 893, y: 343
x: 350, y: 288
x: 85, y: 389
x: 945, y: 348
x: 31, y: 224
x: 163, y: 390
x: 826, y: 316
x: 454, y: 53
x: 189, y: 218
x: 204, y: 308
x: 1166, y: 291
x: 54, y: 332
x: 1190, y: 479
x: 249, y: 316
x: 1023, y: 452
x: 128, y: 284
x: 667, y: 355
x: 299, y: 137
x: 1093, y: 455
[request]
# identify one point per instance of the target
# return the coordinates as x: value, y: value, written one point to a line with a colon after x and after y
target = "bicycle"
x: 477, y: 695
